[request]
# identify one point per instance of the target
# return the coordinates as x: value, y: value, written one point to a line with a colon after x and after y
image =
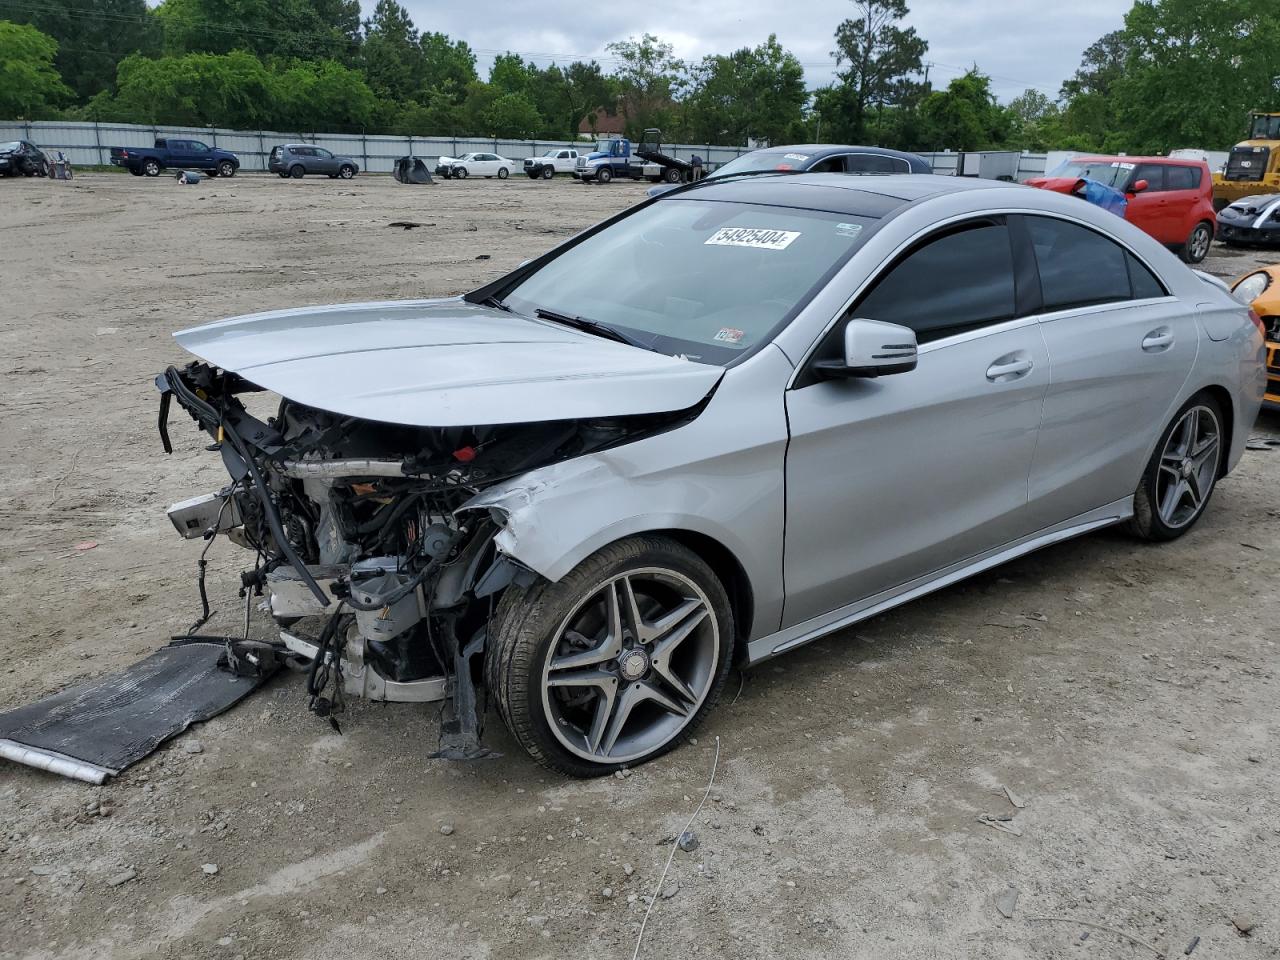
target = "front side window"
x: 322, y: 153
x: 1153, y: 173
x: 705, y: 279
x: 1079, y: 267
x: 828, y: 165
x: 957, y: 282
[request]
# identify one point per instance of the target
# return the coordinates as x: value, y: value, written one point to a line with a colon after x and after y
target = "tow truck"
x: 614, y: 158
x: 1253, y: 167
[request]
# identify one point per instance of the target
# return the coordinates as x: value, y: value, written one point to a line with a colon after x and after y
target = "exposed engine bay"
x: 380, y: 579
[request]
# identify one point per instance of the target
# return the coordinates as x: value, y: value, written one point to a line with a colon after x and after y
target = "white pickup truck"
x: 556, y: 160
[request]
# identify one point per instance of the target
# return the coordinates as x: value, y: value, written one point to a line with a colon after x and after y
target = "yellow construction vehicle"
x: 1254, y: 164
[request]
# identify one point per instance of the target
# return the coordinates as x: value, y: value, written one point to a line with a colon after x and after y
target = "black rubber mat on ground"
x: 101, y: 727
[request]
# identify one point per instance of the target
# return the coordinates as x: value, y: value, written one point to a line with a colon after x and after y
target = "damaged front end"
x: 381, y: 580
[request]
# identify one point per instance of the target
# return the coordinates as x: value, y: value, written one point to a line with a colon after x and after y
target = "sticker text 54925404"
x: 757, y: 237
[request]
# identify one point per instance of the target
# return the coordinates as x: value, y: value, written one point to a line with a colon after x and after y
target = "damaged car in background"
x: 797, y: 402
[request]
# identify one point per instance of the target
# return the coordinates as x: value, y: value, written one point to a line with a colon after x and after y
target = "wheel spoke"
x: 1193, y: 489
x: 607, y: 649
x: 1208, y: 448
x: 1172, y: 497
x: 606, y: 686
x: 654, y: 630
x: 631, y: 698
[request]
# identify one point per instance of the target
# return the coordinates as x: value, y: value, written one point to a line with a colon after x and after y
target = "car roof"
x: 1165, y: 161
x: 875, y: 196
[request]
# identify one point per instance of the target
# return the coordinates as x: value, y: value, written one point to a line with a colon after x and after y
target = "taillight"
x: 1257, y: 322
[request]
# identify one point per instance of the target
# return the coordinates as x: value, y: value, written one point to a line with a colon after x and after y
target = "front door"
x: 893, y: 478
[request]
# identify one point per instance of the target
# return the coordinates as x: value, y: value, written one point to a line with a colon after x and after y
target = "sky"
x: 1018, y: 43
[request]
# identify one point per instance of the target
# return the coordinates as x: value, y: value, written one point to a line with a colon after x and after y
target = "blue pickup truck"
x: 172, y: 153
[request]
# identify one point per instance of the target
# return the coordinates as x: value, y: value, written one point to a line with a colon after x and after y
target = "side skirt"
x: 801, y: 633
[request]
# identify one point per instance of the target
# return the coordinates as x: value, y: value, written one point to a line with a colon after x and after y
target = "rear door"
x: 1120, y: 348
x: 1182, y: 188
x: 893, y: 478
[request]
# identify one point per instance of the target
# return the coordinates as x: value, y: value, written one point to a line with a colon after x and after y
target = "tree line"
x: 1178, y: 73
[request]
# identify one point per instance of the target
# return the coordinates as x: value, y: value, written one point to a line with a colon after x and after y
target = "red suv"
x: 1170, y: 199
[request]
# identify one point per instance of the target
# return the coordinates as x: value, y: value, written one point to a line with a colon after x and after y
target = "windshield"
x: 765, y: 160
x: 703, y: 279
x: 1265, y: 128
x: 1114, y: 173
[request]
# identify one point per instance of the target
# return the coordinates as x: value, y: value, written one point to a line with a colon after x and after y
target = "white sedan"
x: 480, y: 165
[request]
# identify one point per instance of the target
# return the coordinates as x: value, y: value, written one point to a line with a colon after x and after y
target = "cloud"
x: 1019, y: 43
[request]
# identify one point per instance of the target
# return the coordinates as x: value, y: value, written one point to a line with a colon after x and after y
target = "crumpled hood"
x: 1054, y: 184
x: 445, y: 363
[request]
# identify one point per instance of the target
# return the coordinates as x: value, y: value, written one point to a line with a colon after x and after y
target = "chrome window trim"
x: 935, y: 227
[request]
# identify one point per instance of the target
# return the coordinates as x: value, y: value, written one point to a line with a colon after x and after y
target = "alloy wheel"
x: 1188, y: 467
x: 630, y: 665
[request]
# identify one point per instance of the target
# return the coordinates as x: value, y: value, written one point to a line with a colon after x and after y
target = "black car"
x: 22, y: 157
x: 819, y: 158
x: 1250, y: 220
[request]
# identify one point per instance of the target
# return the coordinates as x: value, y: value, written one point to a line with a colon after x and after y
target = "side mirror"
x: 872, y: 348
x: 1139, y: 186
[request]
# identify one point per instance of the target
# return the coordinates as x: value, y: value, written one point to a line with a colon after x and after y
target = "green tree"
x: 877, y: 60
x: 93, y: 36
x: 512, y: 116
x: 29, y: 84
x: 315, y: 95
x: 1193, y: 70
x: 391, y: 56
x: 306, y: 29
x: 448, y: 67
x: 1088, y: 116
x: 649, y: 78
x: 964, y: 116
x: 753, y: 93
x: 1034, y: 119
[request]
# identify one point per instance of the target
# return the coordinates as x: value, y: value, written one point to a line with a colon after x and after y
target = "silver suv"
x: 298, y: 159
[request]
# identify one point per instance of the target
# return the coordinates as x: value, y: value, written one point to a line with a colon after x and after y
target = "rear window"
x: 1182, y: 178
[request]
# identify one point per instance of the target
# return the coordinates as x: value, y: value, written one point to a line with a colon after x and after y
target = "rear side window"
x: 1079, y: 267
x: 1182, y: 178
x: 957, y: 282
x: 873, y: 163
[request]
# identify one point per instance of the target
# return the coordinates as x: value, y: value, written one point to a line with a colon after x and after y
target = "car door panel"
x: 1149, y: 210
x: 891, y: 478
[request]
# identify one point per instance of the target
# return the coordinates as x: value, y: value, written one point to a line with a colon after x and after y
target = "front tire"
x: 1182, y: 473
x: 459, y: 173
x: 346, y: 171
x: 226, y: 169
x: 548, y: 173
x: 604, y: 175
x: 1198, y: 243
x: 615, y: 664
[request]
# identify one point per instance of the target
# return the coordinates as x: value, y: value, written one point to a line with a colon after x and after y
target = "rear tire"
x: 151, y: 168
x: 671, y: 175
x: 136, y: 171
x: 1198, y: 243
x: 536, y: 626
x: 297, y: 171
x: 1182, y: 472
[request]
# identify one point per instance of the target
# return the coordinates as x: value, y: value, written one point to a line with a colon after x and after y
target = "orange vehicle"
x: 1261, y: 290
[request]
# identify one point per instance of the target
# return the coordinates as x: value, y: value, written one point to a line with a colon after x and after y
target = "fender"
x: 720, y: 476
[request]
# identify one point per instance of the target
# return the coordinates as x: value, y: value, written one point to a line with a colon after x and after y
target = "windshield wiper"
x: 591, y: 326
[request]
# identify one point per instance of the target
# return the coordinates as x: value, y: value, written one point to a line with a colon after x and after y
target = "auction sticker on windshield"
x: 757, y: 237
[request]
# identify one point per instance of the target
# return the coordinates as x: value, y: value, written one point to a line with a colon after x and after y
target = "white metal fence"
x: 88, y: 143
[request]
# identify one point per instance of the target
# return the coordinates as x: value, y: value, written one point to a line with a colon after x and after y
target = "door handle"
x: 1003, y: 370
x: 1156, y: 340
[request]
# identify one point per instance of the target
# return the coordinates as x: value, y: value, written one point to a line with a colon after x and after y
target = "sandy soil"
x: 1126, y: 694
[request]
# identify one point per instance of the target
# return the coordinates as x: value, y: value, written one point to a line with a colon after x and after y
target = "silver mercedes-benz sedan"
x: 728, y: 421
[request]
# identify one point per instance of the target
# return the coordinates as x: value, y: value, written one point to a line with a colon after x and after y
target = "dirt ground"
x: 1126, y: 694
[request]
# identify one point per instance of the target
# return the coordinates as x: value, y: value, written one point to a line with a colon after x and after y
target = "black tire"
x: 459, y: 173
x: 548, y: 173
x: 671, y: 175
x: 526, y: 624
x: 503, y: 173
x: 283, y: 175
x: 297, y: 171
x: 1198, y: 243
x: 226, y: 169
x: 346, y: 171
x: 151, y: 167
x: 532, y: 174
x: 136, y: 171
x: 1147, y: 522
x: 604, y: 174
